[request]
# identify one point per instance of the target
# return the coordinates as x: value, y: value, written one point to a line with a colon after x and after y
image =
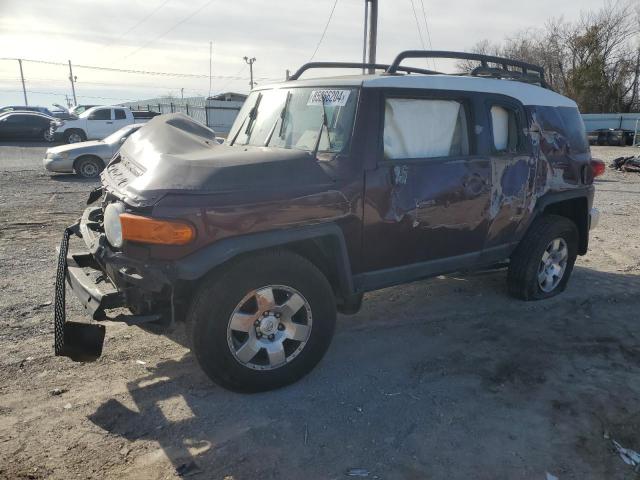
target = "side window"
x: 120, y: 115
x: 420, y: 128
x: 102, y: 114
x: 504, y: 124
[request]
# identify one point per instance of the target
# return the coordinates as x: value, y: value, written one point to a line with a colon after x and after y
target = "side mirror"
x: 123, y: 139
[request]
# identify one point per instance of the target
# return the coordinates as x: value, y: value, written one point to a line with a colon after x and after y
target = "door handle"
x: 109, y: 123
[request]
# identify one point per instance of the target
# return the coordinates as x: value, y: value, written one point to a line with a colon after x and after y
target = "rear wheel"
x: 262, y: 322
x: 47, y: 135
x: 542, y: 264
x: 88, y: 167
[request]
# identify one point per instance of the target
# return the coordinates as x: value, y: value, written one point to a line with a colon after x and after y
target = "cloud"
x: 281, y: 34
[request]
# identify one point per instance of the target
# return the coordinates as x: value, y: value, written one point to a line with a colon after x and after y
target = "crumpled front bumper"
x: 101, y: 279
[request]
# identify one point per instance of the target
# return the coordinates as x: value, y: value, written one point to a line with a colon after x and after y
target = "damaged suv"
x: 326, y: 189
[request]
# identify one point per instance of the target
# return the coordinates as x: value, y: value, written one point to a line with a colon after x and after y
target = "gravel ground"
x: 441, y: 379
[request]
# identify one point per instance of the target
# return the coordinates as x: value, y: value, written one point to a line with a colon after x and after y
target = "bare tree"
x: 594, y: 60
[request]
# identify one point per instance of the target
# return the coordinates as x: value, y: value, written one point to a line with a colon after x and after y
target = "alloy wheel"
x: 553, y: 265
x: 269, y: 327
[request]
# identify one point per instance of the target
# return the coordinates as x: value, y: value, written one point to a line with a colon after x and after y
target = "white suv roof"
x: 526, y: 93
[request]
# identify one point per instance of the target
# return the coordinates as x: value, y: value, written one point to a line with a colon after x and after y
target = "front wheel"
x: 88, y: 167
x: 543, y: 261
x: 262, y: 322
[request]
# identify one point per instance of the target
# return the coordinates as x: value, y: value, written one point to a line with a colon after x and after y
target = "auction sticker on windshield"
x: 332, y: 98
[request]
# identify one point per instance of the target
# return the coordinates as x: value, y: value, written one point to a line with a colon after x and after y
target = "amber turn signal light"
x: 136, y: 228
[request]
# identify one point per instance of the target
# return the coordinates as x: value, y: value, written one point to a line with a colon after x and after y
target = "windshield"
x: 122, y: 133
x: 295, y: 117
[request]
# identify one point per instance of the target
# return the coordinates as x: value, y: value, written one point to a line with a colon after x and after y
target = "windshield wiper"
x: 281, y: 117
x: 325, y: 124
x: 253, y: 113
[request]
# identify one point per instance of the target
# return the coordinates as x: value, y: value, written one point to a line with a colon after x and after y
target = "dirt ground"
x: 448, y: 378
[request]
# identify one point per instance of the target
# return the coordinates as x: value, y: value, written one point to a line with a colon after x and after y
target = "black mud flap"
x: 81, y: 342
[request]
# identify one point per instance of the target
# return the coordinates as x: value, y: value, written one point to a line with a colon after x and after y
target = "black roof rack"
x: 366, y: 66
x: 528, y: 72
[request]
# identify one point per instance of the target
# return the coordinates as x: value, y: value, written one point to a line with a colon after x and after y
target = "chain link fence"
x: 216, y: 114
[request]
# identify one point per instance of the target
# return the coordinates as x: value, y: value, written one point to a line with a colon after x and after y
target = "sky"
x: 173, y: 36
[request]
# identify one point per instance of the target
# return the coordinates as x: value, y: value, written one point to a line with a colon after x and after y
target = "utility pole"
x: 366, y: 31
x: 24, y: 90
x: 210, y: 67
x: 250, y: 62
x: 182, y: 94
x: 73, y: 87
x: 373, y: 32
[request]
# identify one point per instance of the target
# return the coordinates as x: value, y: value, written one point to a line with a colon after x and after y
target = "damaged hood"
x: 175, y: 154
x: 76, y: 147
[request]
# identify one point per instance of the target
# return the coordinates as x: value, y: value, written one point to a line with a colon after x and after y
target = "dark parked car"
x: 615, y: 137
x: 26, y: 125
x: 21, y: 108
x: 325, y: 189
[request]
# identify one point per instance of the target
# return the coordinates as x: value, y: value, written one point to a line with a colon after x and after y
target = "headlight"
x: 112, y: 225
x: 57, y: 156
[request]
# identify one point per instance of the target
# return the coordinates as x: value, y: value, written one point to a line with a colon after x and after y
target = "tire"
x: 528, y: 278
x: 47, y: 135
x: 233, y: 292
x: 74, y: 136
x: 88, y: 167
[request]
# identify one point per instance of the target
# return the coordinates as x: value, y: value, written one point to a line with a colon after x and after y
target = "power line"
x: 188, y: 17
x: 229, y: 81
x: 64, y: 95
x: 147, y: 17
x: 325, y: 30
x: 126, y: 70
x: 415, y: 15
x: 426, y: 24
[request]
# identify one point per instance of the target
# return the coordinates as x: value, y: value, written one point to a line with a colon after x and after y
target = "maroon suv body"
x: 325, y: 189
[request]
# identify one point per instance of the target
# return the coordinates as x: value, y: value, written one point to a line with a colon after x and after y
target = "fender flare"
x: 582, y: 223
x: 555, y: 197
x: 197, y: 265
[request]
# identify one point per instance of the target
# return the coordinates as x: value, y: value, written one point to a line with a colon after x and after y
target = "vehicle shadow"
x: 29, y: 144
x: 404, y: 377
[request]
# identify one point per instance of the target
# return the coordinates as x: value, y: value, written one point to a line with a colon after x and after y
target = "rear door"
x: 100, y: 123
x: 513, y: 168
x: 428, y: 198
x: 120, y: 119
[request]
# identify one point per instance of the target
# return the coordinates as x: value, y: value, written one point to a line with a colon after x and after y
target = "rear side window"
x: 120, y: 115
x: 504, y: 124
x: 421, y: 128
x: 102, y: 114
x: 574, y: 129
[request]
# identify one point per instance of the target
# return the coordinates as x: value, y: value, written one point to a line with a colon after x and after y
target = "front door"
x: 428, y: 198
x: 99, y: 124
